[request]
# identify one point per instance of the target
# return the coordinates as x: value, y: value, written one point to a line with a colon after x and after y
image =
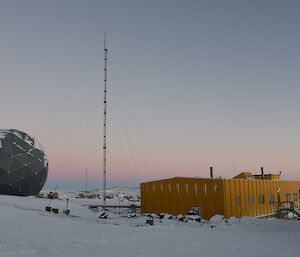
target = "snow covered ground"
x: 26, y: 229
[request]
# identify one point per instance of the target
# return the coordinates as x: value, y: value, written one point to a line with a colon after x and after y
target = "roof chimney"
x: 262, y: 173
x: 211, y: 172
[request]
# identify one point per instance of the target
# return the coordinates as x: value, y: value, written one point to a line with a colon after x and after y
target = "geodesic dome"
x: 23, y: 164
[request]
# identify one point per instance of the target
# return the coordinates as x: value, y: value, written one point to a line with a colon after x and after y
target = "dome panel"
x: 15, y: 164
x: 24, y: 158
x: 6, y: 165
x: 4, y: 155
x: 23, y: 172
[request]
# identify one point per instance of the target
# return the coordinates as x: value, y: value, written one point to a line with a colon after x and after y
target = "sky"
x: 191, y: 84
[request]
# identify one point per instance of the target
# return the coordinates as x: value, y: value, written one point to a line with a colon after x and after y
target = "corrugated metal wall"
x: 179, y: 195
x: 256, y: 197
x: 228, y: 197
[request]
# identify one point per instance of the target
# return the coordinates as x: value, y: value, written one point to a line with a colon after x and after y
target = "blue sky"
x: 192, y: 84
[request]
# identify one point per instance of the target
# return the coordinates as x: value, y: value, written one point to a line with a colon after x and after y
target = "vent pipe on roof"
x: 211, y: 172
x: 262, y: 173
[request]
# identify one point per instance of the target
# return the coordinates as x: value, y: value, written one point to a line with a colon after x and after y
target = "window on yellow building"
x: 247, y: 200
x: 272, y: 199
x: 251, y: 200
x: 238, y: 200
x: 261, y: 199
x: 288, y: 197
x: 295, y: 197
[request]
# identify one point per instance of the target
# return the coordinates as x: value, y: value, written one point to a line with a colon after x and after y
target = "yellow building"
x: 244, y: 195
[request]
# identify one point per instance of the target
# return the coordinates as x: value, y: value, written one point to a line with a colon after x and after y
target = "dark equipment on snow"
x: 150, y: 222
x: 55, y: 210
x: 103, y: 215
x: 53, y: 195
x: 48, y: 208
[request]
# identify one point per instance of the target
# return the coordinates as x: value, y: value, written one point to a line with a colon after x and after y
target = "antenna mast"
x: 86, y: 171
x: 104, y: 123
